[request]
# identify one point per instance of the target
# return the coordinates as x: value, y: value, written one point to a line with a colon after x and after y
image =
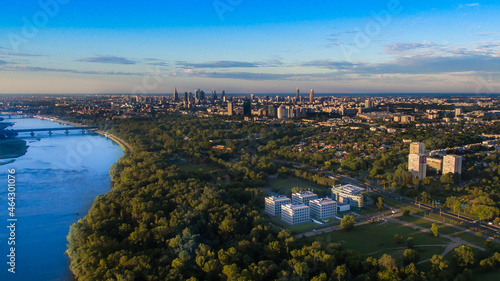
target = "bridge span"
x: 14, y: 132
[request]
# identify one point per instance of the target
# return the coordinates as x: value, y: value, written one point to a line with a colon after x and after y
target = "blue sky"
x: 249, y: 46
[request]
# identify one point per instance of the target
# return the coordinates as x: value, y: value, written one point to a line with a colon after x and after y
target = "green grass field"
x: 448, y: 230
x: 490, y: 276
x: 284, y: 186
x: 378, y: 238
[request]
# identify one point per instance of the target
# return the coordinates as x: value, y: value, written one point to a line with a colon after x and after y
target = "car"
x: 474, y: 221
x: 490, y: 223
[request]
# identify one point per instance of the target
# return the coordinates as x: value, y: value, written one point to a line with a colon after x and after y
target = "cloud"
x: 108, y: 59
x: 419, y: 64
x: 2, y: 62
x: 410, y: 46
x: 158, y: 63
x: 21, y: 54
x: 63, y: 70
x: 469, y: 5
x: 216, y: 64
x: 486, y: 34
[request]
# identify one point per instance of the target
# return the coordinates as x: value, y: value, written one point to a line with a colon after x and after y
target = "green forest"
x: 162, y: 221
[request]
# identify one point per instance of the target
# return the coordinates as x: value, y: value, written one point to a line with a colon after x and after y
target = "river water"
x: 56, y: 182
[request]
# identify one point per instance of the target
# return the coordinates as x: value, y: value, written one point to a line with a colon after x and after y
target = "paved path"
x: 455, y: 241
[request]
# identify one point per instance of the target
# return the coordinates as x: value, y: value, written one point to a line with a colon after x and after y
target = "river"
x: 57, y: 181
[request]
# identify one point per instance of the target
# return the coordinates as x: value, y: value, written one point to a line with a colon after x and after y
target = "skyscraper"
x: 311, y: 96
x: 452, y: 164
x: 297, y: 94
x: 247, y: 108
x: 223, y: 96
x: 214, y: 95
x: 176, y: 95
x: 230, y: 108
x: 368, y: 103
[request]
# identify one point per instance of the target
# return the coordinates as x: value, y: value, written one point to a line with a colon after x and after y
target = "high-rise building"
x: 311, y: 96
x: 282, y: 112
x: 223, y: 96
x: 176, y: 95
x: 230, y: 108
x: 452, y: 164
x: 417, y: 148
x: 294, y: 214
x: 214, y: 95
x: 297, y: 94
x: 247, y: 108
x: 271, y: 111
x: 303, y: 197
x: 458, y: 111
x: 323, y: 208
x: 273, y: 204
x: 368, y: 103
x: 417, y: 165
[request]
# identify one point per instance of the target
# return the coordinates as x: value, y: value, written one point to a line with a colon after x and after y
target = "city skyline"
x: 250, y: 47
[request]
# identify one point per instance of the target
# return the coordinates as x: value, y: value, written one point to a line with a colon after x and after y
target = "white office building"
x: 323, y: 208
x: 293, y: 214
x: 273, y: 204
x: 452, y: 164
x: 303, y: 197
x: 348, y: 194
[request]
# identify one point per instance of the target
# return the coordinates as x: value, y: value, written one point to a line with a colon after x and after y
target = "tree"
x: 398, y: 238
x: 410, y: 242
x: 406, y: 212
x: 464, y: 256
x: 410, y: 256
x: 447, y: 178
x: 347, y: 223
x: 435, y: 230
x: 380, y: 203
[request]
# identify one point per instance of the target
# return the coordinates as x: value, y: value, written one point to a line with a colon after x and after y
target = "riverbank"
x: 124, y: 145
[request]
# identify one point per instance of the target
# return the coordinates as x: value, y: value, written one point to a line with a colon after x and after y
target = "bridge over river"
x: 13, y: 133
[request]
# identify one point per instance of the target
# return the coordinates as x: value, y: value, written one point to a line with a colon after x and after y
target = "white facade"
x: 323, y: 208
x: 452, y: 164
x: 273, y: 204
x: 417, y: 148
x: 303, y: 197
x: 293, y: 214
x: 348, y: 194
x: 417, y: 165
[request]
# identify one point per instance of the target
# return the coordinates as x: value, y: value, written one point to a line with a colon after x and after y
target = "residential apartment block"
x: 293, y: 214
x: 273, y: 204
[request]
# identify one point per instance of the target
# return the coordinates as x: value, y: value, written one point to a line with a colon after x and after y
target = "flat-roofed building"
x: 452, y: 164
x: 417, y: 148
x: 293, y: 214
x: 323, y: 208
x: 273, y: 204
x: 348, y: 194
x: 435, y: 164
x: 417, y: 165
x: 303, y: 197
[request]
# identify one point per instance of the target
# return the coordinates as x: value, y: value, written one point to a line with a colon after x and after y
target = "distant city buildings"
x: 297, y: 94
x: 324, y: 208
x: 293, y: 214
x: 311, y: 96
x: 348, y: 194
x: 273, y: 204
x: 452, y: 164
x: 230, y: 108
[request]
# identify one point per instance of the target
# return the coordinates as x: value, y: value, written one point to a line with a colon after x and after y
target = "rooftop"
x: 349, y: 188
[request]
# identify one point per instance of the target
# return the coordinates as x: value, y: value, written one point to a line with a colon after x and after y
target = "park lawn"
x: 284, y: 186
x: 490, y: 276
x: 192, y: 168
x: 424, y: 253
x: 375, y: 237
x: 448, y: 230
x: 400, y: 205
